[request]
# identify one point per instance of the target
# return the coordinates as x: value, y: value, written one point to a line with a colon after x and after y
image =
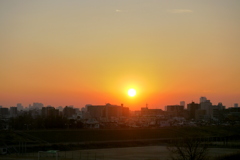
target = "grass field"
x: 65, y: 140
x: 133, y: 153
x: 61, y: 136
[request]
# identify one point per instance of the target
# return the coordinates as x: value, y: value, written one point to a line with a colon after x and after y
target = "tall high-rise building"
x: 216, y: 109
x: 192, y: 108
x: 182, y: 103
x: 165, y: 108
x: 37, y: 105
x: 207, y: 106
x: 203, y: 99
x: 235, y: 105
x: 19, y: 107
x: 60, y: 108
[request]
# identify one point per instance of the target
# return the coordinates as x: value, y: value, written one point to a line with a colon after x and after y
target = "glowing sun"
x: 131, y: 92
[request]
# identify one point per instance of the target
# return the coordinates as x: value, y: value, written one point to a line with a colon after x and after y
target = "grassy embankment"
x: 106, y: 138
x: 65, y: 136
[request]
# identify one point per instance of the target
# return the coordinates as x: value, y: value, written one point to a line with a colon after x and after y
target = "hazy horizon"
x: 91, y: 52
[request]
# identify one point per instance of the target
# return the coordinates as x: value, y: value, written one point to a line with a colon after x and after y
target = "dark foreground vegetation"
x: 96, y: 135
x: 233, y: 156
x: 186, y: 148
x: 70, y: 139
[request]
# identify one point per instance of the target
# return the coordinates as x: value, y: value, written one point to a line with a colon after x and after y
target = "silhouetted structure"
x: 4, y: 112
x: 216, y: 111
x: 13, y: 111
x: 200, y: 114
x: 192, y: 107
x: 182, y: 103
x: 36, y: 106
x: 207, y: 106
x: 125, y: 111
x: 96, y: 111
x: 175, y: 110
x: 50, y: 111
x: 234, y: 110
x: 68, y: 111
x: 107, y: 111
x: 151, y: 112
x: 19, y: 107
x: 202, y: 99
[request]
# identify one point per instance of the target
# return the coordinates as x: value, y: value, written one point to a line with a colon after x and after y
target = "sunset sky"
x: 79, y: 52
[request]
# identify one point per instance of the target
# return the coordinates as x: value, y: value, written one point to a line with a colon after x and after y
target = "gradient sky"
x: 81, y: 52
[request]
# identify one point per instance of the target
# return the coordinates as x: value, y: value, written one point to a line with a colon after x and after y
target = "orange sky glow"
x: 90, y: 52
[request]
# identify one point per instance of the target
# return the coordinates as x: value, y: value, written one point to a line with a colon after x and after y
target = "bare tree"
x: 188, y: 149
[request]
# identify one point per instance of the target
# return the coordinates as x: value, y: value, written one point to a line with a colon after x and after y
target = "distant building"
x: 35, y: 112
x: 211, y: 111
x: 192, y: 108
x: 216, y: 111
x: 60, y: 108
x: 4, y: 112
x: 175, y: 110
x: 234, y: 110
x: 207, y: 106
x: 151, y: 112
x: 165, y: 108
x: 113, y: 111
x: 220, y: 106
x: 203, y: 99
x: 182, y: 103
x: 13, y: 111
x: 68, y: 111
x: 125, y: 112
x: 77, y: 110
x: 96, y: 111
x: 50, y: 111
x: 107, y: 111
x: 84, y: 109
x: 35, y: 106
x: 200, y: 114
x: 19, y: 107
x: 136, y: 113
x: 235, y: 105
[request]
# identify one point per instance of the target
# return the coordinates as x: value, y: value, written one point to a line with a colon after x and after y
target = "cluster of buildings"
x: 95, y: 116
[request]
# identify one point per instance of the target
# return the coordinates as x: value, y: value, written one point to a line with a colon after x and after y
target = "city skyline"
x: 81, y: 52
x: 181, y: 103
